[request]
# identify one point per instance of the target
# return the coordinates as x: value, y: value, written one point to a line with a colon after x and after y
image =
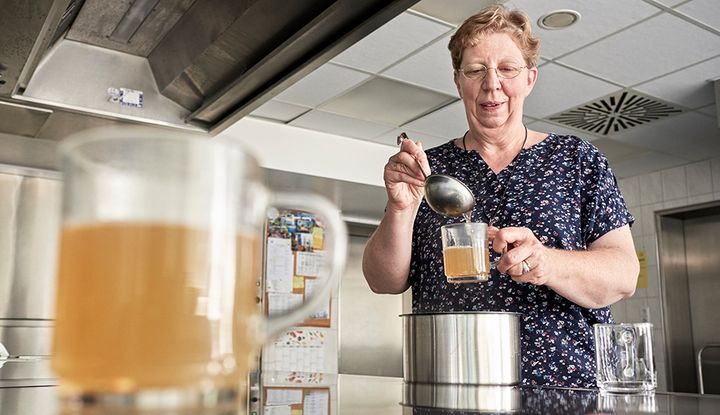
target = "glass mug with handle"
x: 466, y: 254
x: 160, y: 259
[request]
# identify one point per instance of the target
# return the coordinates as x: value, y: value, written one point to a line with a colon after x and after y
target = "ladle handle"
x: 402, y: 137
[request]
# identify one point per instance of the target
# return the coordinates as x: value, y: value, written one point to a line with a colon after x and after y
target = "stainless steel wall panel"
x: 38, y: 221
x: 9, y: 195
x: 26, y: 338
x: 370, y: 326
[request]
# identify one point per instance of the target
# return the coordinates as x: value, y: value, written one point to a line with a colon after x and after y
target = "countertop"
x: 356, y: 394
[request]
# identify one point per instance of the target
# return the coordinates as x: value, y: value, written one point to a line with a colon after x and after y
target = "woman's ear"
x: 457, y: 83
x: 532, y: 78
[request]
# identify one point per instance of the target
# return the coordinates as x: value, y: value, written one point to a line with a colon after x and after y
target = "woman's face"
x: 493, y: 101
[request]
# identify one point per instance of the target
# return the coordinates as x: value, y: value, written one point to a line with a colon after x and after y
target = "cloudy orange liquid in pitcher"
x: 140, y: 306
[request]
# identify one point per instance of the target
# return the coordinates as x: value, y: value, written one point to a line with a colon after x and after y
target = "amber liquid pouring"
x: 151, y: 306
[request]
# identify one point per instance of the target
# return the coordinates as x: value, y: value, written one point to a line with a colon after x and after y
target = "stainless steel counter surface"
x: 385, y: 395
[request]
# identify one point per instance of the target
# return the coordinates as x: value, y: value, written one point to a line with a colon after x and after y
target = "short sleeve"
x: 603, y: 207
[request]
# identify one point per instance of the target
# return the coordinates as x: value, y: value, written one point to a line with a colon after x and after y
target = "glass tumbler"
x: 624, y: 357
x: 160, y: 262
x: 466, y: 255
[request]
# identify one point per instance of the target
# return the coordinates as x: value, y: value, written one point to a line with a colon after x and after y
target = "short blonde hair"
x: 495, y: 19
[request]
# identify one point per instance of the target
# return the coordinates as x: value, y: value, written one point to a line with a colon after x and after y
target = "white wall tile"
x: 637, y: 227
x: 619, y: 311
x: 654, y: 281
x: 648, y: 218
x: 715, y: 166
x: 675, y: 203
x: 661, y: 377
x: 650, y: 246
x: 630, y: 189
x: 699, y: 178
x: 651, y: 188
x: 674, y: 183
x: 696, y: 200
x: 634, y: 309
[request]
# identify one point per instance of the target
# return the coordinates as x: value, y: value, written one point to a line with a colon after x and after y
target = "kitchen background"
x: 645, y: 72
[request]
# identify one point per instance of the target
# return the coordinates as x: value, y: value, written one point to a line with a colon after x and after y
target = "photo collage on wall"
x: 294, y: 262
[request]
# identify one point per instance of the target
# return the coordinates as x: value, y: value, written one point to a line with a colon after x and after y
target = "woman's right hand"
x: 404, y: 179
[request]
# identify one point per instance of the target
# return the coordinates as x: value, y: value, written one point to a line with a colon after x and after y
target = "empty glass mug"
x: 624, y: 357
x: 466, y: 255
x: 160, y: 268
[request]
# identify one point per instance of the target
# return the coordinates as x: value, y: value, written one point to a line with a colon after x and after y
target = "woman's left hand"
x: 524, y: 257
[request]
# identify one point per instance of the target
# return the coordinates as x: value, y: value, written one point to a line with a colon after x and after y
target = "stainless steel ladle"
x: 445, y: 194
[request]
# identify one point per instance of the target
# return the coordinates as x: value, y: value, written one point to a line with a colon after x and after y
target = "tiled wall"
x: 646, y: 194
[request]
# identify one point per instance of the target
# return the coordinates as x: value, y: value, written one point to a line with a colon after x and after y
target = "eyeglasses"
x: 478, y: 72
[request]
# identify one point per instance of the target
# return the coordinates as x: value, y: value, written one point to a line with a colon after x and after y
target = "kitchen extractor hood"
x: 192, y: 64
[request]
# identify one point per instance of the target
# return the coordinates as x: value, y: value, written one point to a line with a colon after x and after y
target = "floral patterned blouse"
x: 564, y: 191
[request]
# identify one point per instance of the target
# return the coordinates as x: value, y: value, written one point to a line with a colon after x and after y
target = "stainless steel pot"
x: 475, y: 398
x: 475, y: 348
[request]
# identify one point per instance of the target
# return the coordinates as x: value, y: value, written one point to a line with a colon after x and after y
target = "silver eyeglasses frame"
x: 487, y: 69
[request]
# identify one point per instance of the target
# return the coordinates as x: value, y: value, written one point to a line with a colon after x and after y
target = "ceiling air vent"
x: 615, y: 113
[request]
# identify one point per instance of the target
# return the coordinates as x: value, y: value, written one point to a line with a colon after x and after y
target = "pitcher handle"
x: 334, y: 264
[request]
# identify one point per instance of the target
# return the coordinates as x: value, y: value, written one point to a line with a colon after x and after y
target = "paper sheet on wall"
x: 309, y: 264
x: 279, y: 265
x: 316, y: 403
x: 278, y: 410
x: 279, y: 303
x: 300, y: 350
x: 284, y: 396
x: 323, y: 312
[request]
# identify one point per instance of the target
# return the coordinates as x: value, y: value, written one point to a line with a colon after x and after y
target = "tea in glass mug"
x: 466, y: 254
x: 159, y: 268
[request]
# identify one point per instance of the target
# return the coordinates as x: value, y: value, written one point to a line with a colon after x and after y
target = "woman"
x: 553, y: 205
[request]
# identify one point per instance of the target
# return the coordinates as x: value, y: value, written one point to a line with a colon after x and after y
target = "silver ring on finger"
x: 525, y: 267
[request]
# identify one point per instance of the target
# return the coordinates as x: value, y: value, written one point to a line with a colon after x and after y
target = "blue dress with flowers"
x: 564, y: 191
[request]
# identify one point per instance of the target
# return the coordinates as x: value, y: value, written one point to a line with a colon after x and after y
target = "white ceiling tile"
x: 460, y: 10
x: 652, y: 48
x: 427, y: 140
x: 596, y: 21
x: 430, y: 68
x: 711, y: 110
x: 386, y: 101
x: 391, y: 42
x: 322, y: 84
x: 337, y: 124
x: 616, y: 151
x: 691, y: 87
x: 705, y: 11
x: 558, y: 89
x: 645, y: 163
x: 547, y: 127
x: 670, y: 3
x: 690, y: 136
x: 279, y: 111
x: 448, y: 121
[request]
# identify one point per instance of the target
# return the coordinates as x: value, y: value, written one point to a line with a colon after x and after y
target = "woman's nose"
x: 492, y: 80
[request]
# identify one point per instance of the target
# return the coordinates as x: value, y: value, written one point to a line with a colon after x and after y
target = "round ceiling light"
x: 558, y: 19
